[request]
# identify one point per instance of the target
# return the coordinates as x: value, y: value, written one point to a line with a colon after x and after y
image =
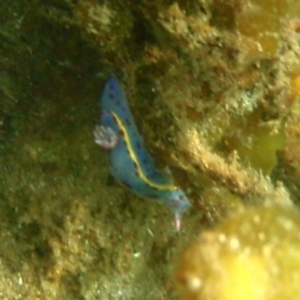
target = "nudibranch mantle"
x: 130, y: 162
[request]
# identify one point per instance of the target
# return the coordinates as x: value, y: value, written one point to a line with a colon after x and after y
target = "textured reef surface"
x: 213, y: 86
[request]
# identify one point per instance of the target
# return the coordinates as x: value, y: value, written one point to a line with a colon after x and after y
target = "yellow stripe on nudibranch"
x: 133, y: 156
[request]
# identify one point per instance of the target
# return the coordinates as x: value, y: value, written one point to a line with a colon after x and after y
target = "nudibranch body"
x: 130, y: 162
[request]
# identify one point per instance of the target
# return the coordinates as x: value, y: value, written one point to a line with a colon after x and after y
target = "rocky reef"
x: 214, y: 88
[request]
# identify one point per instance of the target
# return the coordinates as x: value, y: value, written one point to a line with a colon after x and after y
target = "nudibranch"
x: 130, y: 162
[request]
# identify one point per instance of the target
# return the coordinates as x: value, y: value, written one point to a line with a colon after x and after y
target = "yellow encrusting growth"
x: 252, y: 255
x: 248, y: 279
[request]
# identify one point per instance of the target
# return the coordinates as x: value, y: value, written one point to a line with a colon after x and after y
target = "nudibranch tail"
x: 178, y: 203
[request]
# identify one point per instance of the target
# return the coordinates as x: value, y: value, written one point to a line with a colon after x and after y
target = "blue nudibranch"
x: 130, y: 162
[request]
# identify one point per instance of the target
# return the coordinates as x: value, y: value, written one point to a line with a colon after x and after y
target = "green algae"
x: 260, y: 147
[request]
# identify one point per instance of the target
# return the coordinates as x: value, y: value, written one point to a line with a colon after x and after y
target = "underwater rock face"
x: 214, y: 86
x: 251, y: 255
